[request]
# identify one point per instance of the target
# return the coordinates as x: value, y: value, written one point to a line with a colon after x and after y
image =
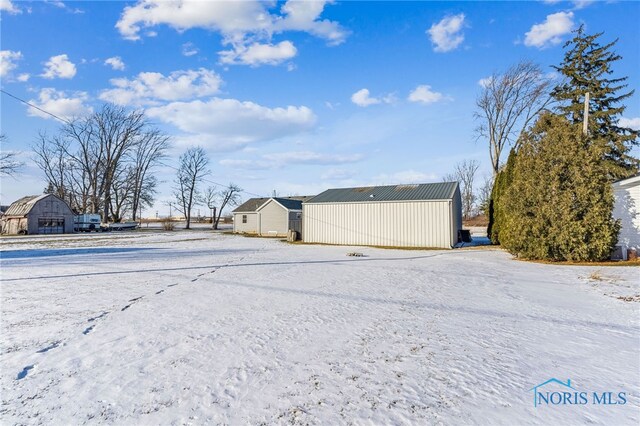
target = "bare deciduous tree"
x: 484, y: 195
x: 228, y: 196
x: 102, y: 163
x: 210, y: 196
x: 193, y: 167
x: 9, y: 164
x: 148, y: 152
x: 465, y: 173
x: 507, y: 105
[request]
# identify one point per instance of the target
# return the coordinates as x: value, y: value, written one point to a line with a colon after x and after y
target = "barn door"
x: 50, y: 225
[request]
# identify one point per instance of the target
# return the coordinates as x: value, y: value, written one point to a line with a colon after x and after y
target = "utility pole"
x: 585, y: 118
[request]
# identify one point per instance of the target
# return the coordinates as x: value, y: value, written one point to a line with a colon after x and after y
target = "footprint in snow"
x: 88, y: 330
x: 48, y: 348
x: 24, y: 372
x: 134, y: 300
x: 102, y: 315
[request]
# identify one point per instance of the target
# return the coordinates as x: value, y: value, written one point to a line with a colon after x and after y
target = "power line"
x: 35, y: 106
x: 68, y: 122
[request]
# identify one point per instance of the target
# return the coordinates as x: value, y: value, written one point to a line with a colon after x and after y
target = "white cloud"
x: 581, y: 4
x: 338, y: 174
x: 446, y: 35
x: 309, y: 157
x: 305, y: 16
x: 425, y: 95
x: 188, y: 49
x: 8, y: 59
x: 484, y: 82
x: 59, y: 67
x: 9, y: 7
x: 282, y: 159
x: 24, y: 77
x: 258, y: 54
x: 115, y: 62
x: 631, y: 123
x: 60, y: 104
x: 227, y: 124
x: 549, y: 32
x: 247, y: 26
x: 151, y: 87
x: 362, y: 98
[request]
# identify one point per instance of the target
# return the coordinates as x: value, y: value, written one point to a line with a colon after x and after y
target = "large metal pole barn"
x: 427, y: 215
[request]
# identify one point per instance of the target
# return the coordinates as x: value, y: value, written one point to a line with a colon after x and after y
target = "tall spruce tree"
x: 587, y: 67
x: 558, y: 204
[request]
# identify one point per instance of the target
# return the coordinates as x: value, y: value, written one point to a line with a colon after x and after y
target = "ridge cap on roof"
x: 447, y: 190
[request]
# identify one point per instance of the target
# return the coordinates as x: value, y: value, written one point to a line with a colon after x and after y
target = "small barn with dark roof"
x: 421, y: 215
x: 38, y: 214
x: 269, y: 217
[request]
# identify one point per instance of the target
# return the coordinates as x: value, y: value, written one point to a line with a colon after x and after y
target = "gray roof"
x: 291, y: 203
x: 416, y: 192
x: 251, y: 205
x: 23, y: 206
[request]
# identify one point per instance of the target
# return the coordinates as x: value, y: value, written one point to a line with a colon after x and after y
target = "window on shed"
x: 244, y: 218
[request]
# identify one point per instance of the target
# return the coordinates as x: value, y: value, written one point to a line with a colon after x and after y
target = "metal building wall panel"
x: 397, y: 224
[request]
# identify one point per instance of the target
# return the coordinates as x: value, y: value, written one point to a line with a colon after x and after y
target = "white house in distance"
x: 627, y: 209
x: 269, y: 217
x: 424, y: 215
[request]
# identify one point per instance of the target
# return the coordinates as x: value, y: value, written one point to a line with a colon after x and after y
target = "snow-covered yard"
x: 203, y: 328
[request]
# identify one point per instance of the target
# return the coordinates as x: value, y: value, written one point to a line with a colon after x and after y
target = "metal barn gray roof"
x: 23, y: 206
x: 416, y: 192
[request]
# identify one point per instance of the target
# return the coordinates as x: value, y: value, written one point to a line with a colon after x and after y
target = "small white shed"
x: 245, y: 216
x: 627, y: 210
x: 424, y: 215
x: 269, y: 217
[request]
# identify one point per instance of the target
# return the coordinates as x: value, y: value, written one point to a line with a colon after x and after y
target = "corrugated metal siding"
x: 274, y: 220
x: 251, y: 227
x: 456, y: 212
x: 425, y: 191
x: 397, y: 224
x: 627, y: 209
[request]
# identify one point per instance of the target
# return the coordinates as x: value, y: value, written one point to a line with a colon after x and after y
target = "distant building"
x: 269, y: 217
x: 627, y: 210
x: 38, y: 214
x: 425, y: 215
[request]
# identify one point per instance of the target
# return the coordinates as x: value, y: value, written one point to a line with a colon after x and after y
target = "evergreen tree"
x: 587, y: 67
x: 497, y: 210
x: 560, y: 199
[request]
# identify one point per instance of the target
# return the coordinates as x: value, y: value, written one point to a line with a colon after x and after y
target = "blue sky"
x: 294, y: 96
